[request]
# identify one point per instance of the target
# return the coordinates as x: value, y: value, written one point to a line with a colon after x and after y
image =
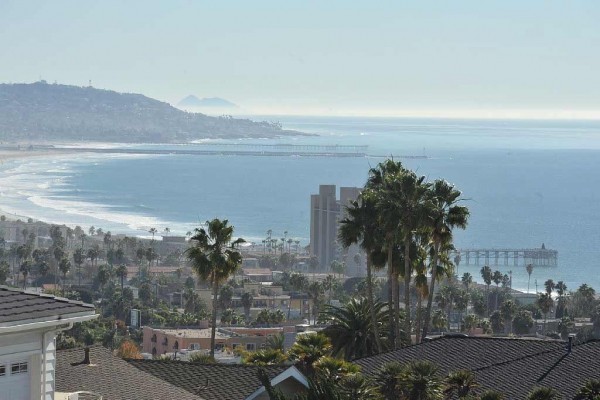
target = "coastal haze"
x: 516, y: 176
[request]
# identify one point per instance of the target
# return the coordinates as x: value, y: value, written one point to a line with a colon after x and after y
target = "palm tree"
x: 549, y: 285
x: 152, y: 231
x: 491, y: 395
x: 486, y: 274
x: 78, y: 258
x: 401, y: 207
x: 497, y: 279
x: 276, y: 342
x: 386, y: 379
x: 445, y: 215
x: 25, y: 269
x: 121, y: 272
x: 247, y: 300
x: 92, y: 254
x: 589, y: 391
x: 508, y: 310
x: 461, y: 383
x: 418, y: 380
x: 64, y: 266
x: 309, y: 348
x: 561, y: 290
x: 545, y: 303
x: 529, y: 269
x: 544, y: 393
x: 214, y: 258
x: 351, y: 330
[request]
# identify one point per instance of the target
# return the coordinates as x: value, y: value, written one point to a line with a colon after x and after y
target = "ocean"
x: 525, y: 183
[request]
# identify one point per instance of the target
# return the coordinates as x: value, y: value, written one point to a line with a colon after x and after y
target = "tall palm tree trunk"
x: 392, y: 292
x: 397, y: 306
x: 407, y: 323
x: 419, y: 318
x: 372, y: 306
x: 213, y: 329
x: 434, y: 263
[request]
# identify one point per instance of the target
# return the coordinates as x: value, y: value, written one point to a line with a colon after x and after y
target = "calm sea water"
x: 525, y: 182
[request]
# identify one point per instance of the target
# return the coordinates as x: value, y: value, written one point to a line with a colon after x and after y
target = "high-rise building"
x: 325, y: 212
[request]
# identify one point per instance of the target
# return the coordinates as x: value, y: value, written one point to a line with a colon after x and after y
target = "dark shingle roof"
x: 16, y: 305
x: 510, y: 366
x: 112, y: 377
x: 452, y: 353
x: 210, y: 381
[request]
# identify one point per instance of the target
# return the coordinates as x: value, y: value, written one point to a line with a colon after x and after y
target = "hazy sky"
x: 326, y: 57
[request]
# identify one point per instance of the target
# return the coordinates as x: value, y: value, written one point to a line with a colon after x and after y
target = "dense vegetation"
x: 41, y: 111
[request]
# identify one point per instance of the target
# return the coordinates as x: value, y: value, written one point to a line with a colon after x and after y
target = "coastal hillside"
x: 42, y: 111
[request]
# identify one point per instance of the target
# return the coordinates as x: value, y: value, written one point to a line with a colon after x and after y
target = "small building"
x: 29, y: 324
x: 158, y: 341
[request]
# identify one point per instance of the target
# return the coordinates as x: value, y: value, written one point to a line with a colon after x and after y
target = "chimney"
x: 570, y: 343
x: 86, y: 357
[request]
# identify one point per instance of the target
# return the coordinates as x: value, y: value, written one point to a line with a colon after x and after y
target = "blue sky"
x: 318, y: 57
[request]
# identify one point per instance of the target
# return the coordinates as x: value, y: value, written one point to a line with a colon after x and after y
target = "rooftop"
x: 112, y: 377
x: 510, y: 366
x: 209, y: 381
x: 17, y: 305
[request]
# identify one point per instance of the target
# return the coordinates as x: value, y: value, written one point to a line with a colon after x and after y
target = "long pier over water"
x: 237, y: 149
x: 540, y: 257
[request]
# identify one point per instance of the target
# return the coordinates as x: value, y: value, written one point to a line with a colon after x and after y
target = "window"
x: 194, y: 346
x: 250, y: 346
x: 234, y: 345
x: 18, y: 368
x: 2, y: 370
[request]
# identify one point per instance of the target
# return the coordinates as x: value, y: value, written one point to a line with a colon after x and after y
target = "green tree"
x: 264, y: 357
x: 78, y: 259
x: 225, y: 296
x: 309, y: 348
x: 214, y: 258
x: 549, y: 285
x: 529, y: 269
x: 545, y: 303
x: 64, y: 266
x: 522, y: 322
x: 275, y: 342
x: 418, y: 380
x: 350, y: 329
x: 4, y: 271
x: 445, y: 215
x: 491, y: 395
x: 589, y: 391
x: 121, y: 273
x: 486, y: 275
x: 386, y: 379
x: 360, y: 225
x: 561, y: 291
x: 544, y: 393
x: 508, y: 310
x: 25, y: 269
x: 247, y: 300
x: 460, y: 383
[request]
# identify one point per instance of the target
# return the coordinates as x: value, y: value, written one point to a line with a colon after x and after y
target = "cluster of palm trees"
x: 272, y: 245
x: 404, y: 222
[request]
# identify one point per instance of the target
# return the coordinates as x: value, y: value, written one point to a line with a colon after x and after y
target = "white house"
x: 29, y: 324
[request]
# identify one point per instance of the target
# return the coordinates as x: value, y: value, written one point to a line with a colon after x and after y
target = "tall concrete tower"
x: 325, y: 212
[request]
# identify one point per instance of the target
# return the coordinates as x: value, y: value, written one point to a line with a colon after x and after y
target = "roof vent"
x: 86, y: 357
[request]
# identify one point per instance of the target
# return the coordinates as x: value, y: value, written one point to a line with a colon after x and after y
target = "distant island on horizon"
x: 206, y: 102
x: 52, y: 112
